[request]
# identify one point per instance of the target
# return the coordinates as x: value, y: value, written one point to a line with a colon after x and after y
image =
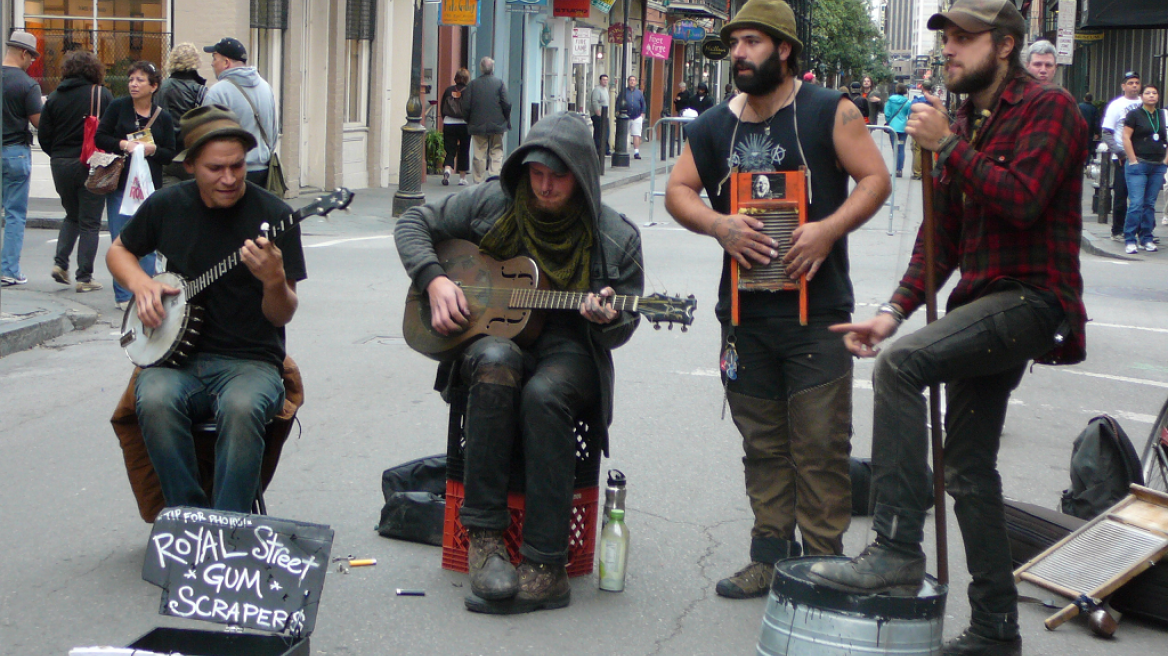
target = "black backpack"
x: 1103, y: 467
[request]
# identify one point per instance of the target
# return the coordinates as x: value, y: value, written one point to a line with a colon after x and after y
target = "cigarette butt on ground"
x: 362, y: 562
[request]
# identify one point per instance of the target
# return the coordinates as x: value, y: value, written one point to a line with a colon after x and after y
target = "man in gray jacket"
x: 243, y: 91
x: 546, y: 206
x: 488, y: 117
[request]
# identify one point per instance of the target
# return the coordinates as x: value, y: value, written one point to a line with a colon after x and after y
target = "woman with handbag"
x: 62, y: 136
x: 455, y: 136
x: 130, y: 123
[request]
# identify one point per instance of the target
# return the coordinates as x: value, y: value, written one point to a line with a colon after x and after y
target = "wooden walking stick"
x: 929, y: 230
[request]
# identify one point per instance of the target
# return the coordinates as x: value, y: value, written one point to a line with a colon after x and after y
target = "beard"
x: 976, y: 78
x: 764, y: 78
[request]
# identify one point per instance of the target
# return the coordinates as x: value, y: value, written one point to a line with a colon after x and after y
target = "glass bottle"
x: 614, y: 552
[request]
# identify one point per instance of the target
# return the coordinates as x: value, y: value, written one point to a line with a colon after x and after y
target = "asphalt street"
x: 73, y: 543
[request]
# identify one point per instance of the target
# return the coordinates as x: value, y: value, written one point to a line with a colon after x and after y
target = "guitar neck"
x: 543, y: 299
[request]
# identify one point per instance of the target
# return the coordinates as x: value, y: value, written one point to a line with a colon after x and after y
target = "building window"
x: 360, y: 23
x: 118, y: 33
x: 269, y: 19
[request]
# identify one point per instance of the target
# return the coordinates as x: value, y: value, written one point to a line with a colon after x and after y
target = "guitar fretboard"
x: 543, y: 299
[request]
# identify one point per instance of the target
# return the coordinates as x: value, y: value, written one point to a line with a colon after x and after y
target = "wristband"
x: 890, y: 309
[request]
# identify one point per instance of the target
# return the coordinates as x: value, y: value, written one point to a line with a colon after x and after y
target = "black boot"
x: 541, y: 587
x: 972, y: 644
x: 492, y: 576
x: 881, y: 568
x: 754, y: 580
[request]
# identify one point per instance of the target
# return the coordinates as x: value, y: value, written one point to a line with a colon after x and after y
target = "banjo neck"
x: 339, y: 199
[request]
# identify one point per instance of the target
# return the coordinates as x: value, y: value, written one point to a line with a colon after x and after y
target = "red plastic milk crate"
x: 581, y: 537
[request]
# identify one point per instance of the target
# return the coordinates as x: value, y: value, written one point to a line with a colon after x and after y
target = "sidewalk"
x: 29, y: 317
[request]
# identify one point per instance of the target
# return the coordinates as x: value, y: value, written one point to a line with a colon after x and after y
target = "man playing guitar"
x: 546, y: 205
x: 234, y: 373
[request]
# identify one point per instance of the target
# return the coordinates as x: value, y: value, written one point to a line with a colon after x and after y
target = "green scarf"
x: 560, y: 244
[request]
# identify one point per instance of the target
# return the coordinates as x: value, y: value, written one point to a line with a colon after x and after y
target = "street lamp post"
x: 620, y: 151
x: 413, y: 155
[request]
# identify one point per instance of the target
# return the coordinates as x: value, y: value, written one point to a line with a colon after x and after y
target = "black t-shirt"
x: 830, y: 291
x: 1149, y: 134
x: 22, y: 98
x: 194, y: 238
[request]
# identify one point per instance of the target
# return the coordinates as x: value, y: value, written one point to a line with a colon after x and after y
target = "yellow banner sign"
x: 459, y: 12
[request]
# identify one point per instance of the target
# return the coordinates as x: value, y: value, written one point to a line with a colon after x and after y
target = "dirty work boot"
x: 492, y: 576
x: 754, y: 580
x: 541, y: 587
x: 880, y: 568
x: 971, y: 644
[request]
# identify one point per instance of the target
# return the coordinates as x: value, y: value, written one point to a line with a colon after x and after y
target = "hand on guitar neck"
x: 450, y: 314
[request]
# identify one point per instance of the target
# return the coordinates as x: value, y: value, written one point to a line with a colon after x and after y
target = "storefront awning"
x: 700, y: 8
x: 1127, y: 14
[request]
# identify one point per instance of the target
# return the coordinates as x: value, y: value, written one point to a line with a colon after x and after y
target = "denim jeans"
x: 901, y: 138
x: 980, y: 351
x: 535, y: 396
x: 117, y: 221
x: 241, y: 396
x: 17, y: 174
x: 1144, y: 181
x: 82, y: 216
x: 1118, y: 194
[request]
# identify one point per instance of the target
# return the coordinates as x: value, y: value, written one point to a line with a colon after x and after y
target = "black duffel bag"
x: 415, y: 501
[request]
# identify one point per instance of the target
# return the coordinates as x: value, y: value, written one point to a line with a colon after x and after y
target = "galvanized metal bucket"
x: 805, y: 619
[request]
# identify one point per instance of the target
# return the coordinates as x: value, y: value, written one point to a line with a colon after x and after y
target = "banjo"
x: 175, y: 339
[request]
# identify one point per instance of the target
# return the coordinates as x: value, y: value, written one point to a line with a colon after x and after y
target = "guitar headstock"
x: 338, y: 200
x: 659, y: 309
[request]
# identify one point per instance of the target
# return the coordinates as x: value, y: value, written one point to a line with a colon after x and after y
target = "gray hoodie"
x: 225, y: 93
x: 616, y: 252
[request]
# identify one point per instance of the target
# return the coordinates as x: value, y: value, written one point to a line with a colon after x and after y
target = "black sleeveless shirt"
x: 757, y: 148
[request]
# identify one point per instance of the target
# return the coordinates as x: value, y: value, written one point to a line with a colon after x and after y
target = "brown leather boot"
x: 492, y: 576
x: 541, y: 587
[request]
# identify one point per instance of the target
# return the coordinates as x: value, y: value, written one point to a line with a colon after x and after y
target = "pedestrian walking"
x: 249, y: 96
x: 182, y: 90
x: 1145, y: 141
x: 632, y: 99
x: 896, y: 116
x: 1112, y: 130
x: 62, y: 134
x: 132, y: 122
x: 1009, y: 219
x: 791, y: 394
x: 22, y: 107
x: 455, y: 137
x: 488, y: 118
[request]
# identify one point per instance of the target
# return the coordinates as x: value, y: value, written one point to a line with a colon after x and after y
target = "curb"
x: 1088, y: 244
x: 26, y: 334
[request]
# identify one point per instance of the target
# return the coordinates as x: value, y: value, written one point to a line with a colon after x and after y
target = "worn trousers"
x: 82, y: 216
x: 488, y: 155
x: 241, y: 396
x: 534, y: 396
x: 980, y: 351
x: 792, y: 403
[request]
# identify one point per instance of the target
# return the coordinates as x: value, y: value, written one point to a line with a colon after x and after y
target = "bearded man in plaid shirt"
x: 1009, y: 217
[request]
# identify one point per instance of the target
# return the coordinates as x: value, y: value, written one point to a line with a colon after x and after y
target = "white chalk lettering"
x: 273, y: 552
x: 204, y: 607
x: 162, y: 543
x: 222, y: 576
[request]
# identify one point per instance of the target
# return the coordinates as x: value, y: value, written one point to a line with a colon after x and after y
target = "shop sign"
x: 617, y: 33
x: 1088, y: 37
x: 459, y: 12
x: 686, y: 31
x: 570, y: 8
x: 604, y: 6
x: 526, y: 6
x: 714, y: 49
x: 657, y: 45
x: 581, y: 45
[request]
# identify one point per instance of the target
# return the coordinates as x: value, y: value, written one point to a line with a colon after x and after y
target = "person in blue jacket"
x: 636, y: 107
x: 896, y: 113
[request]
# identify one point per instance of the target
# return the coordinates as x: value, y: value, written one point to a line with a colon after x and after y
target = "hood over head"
x: 570, y: 139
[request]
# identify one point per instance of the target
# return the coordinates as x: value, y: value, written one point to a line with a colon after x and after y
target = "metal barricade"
x: 892, y: 196
x: 674, y: 123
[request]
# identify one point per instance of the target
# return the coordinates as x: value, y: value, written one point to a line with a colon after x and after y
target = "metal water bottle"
x: 614, y: 553
x: 614, y: 495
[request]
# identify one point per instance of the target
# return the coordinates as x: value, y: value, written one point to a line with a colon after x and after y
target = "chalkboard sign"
x: 250, y: 571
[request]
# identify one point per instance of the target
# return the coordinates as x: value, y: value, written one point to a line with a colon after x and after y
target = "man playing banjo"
x: 545, y: 205
x: 234, y: 373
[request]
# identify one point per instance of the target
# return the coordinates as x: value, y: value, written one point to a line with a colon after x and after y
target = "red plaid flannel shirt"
x: 1009, y: 207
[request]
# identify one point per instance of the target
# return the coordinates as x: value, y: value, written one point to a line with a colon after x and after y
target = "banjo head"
x: 170, y: 342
